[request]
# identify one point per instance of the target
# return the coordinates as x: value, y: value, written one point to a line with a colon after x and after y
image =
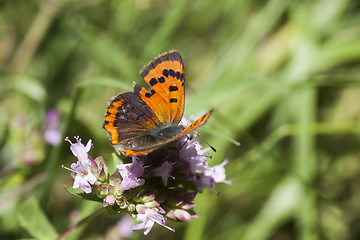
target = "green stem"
x: 325, y: 128
x: 305, y: 164
x: 55, y: 153
x: 35, y: 34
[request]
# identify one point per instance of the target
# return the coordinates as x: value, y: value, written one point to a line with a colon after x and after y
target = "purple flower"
x: 52, y: 116
x: 218, y: 172
x: 137, y: 167
x: 81, y: 170
x: 130, y: 174
x: 163, y: 171
x: 79, y: 150
x: 84, y: 177
x: 129, y: 181
x: 193, y: 153
x: 211, y: 175
x: 124, y: 226
x: 203, y: 181
x: 148, y: 218
x: 52, y: 133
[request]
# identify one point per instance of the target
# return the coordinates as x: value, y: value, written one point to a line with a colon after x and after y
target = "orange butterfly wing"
x: 166, y: 77
x: 198, y: 123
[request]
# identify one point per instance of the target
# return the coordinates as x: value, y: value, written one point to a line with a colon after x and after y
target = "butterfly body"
x: 154, y: 137
x: 142, y: 121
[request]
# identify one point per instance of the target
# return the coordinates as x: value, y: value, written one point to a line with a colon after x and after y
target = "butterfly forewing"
x: 166, y: 77
x: 198, y: 123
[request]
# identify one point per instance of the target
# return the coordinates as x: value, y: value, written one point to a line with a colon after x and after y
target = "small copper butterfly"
x: 142, y: 121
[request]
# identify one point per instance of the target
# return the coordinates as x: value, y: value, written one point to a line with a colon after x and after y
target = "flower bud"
x: 122, y: 202
x: 140, y: 208
x: 100, y: 168
x: 170, y: 214
x: 131, y: 207
x: 109, y: 200
x: 182, y: 215
x: 151, y: 204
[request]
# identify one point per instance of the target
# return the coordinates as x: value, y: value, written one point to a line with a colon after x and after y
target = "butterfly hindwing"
x: 134, y: 152
x: 127, y: 118
x: 166, y: 77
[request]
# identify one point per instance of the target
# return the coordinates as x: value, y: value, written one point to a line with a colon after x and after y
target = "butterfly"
x: 143, y: 121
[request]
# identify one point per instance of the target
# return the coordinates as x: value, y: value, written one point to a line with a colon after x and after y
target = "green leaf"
x: 28, y: 86
x: 79, y: 193
x: 34, y: 220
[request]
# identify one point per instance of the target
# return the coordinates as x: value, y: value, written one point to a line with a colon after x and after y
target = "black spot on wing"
x: 173, y: 100
x: 161, y: 79
x: 172, y: 73
x: 152, y: 92
x: 166, y: 72
x: 153, y: 81
x: 178, y: 75
x: 173, y: 88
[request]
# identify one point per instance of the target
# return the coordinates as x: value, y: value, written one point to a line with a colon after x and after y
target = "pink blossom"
x: 217, y: 172
x: 52, y: 134
x: 148, y: 218
x: 124, y: 226
x: 109, y: 200
x: 82, y: 174
x: 130, y: 174
x: 79, y: 150
x: 163, y: 171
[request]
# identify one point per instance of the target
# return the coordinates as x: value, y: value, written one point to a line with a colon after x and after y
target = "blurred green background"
x: 283, y: 79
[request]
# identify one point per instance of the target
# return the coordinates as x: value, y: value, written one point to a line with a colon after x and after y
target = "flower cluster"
x: 153, y: 187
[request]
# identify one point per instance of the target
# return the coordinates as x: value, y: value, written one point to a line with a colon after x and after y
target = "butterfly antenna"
x: 212, y: 148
